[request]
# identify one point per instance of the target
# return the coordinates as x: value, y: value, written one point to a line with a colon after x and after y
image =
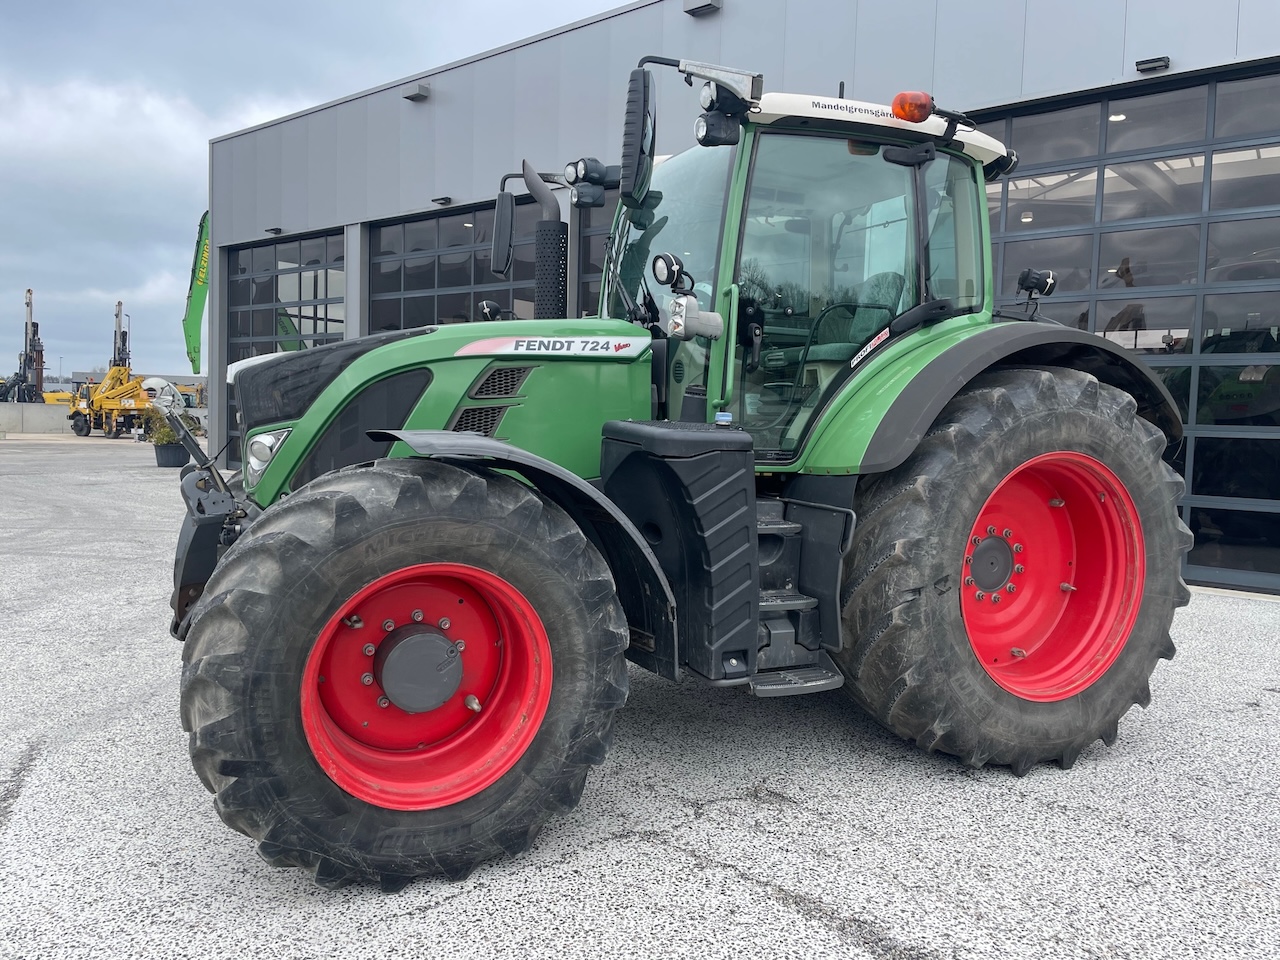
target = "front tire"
x: 323, y: 752
x: 1010, y: 586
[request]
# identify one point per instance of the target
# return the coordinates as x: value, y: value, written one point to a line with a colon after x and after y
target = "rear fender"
x: 848, y: 443
x: 642, y: 587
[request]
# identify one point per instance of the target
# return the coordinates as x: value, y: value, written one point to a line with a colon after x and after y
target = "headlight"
x: 259, y: 453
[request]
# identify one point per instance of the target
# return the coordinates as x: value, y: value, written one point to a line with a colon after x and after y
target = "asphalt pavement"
x: 720, y: 825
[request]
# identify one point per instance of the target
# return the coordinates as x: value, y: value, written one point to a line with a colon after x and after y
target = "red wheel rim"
x: 1053, y: 575
x: 403, y: 760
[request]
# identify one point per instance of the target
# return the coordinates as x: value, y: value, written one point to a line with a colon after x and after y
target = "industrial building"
x: 1149, y: 138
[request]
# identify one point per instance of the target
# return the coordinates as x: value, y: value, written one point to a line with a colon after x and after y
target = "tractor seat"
x: 843, y: 333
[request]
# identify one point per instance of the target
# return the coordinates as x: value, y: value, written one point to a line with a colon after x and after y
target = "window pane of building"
x: 263, y: 259
x: 454, y: 307
x: 1245, y: 178
x: 1053, y: 201
x: 1241, y: 323
x: 384, y: 315
x: 312, y: 251
x: 995, y: 197
x: 287, y: 255
x: 1157, y: 120
x: 1241, y: 396
x: 1237, y: 467
x: 287, y: 287
x: 455, y: 231
x: 455, y: 270
x: 336, y: 282
x: 238, y: 293
x: 420, y: 273
x: 522, y: 302
x: 1069, y: 313
x: 388, y: 241
x: 1157, y: 325
x: 1236, y: 540
x: 1061, y: 135
x: 419, y: 311
x: 386, y: 277
x: 1177, y: 380
x: 1071, y: 258
x: 334, y: 247
x: 1247, y: 108
x: 1148, y: 258
x: 420, y: 235
x: 264, y: 290
x: 1168, y: 187
x: 1241, y: 250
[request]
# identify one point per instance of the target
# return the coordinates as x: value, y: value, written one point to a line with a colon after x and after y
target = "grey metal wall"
x: 377, y: 155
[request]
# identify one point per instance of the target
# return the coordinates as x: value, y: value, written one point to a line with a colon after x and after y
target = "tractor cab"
x: 820, y: 229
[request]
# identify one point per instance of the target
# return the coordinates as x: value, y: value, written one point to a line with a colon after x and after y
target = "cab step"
x: 776, y: 601
x: 793, y: 681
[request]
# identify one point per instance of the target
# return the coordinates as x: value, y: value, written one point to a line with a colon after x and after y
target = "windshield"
x: 682, y: 214
x: 830, y: 255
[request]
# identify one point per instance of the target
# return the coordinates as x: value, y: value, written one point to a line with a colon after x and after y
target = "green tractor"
x: 797, y: 451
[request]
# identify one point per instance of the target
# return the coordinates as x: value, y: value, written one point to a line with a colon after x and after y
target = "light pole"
x: 59, y: 371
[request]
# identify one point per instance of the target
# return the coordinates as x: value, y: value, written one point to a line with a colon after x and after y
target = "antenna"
x: 841, y: 93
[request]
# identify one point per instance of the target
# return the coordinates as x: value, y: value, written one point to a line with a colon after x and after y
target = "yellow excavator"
x: 118, y: 403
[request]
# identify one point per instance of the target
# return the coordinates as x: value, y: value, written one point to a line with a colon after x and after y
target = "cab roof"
x: 859, y: 113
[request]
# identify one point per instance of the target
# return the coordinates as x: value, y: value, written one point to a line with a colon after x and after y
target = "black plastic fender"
x: 1015, y: 344
x: 643, y: 589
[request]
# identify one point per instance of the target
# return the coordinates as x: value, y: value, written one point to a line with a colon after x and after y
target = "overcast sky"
x: 106, y: 110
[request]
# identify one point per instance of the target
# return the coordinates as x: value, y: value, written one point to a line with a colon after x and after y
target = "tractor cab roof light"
x: 914, y: 106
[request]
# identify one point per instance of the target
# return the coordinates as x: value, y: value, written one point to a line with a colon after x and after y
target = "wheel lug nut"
x: 367, y: 679
x: 444, y: 623
x: 977, y: 540
x: 1007, y: 533
x: 388, y: 625
x: 1017, y: 548
x: 979, y: 595
x: 995, y: 598
x: 1019, y: 568
x: 383, y: 702
x: 473, y: 703
x: 368, y: 649
x: 991, y: 530
x: 968, y: 581
x: 417, y: 616
x: 1009, y: 588
x: 460, y: 645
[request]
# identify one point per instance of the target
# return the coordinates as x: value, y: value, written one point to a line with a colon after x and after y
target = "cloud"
x: 101, y: 187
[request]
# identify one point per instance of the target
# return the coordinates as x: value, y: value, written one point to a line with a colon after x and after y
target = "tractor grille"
x: 481, y: 420
x: 501, y: 382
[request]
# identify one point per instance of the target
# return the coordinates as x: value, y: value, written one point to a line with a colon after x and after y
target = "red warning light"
x: 914, y: 106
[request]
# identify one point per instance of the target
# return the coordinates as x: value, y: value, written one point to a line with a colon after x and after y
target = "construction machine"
x: 27, y: 384
x: 116, y: 405
x: 797, y: 451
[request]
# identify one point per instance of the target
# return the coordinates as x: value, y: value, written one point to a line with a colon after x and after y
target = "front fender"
x: 642, y: 587
x: 879, y: 421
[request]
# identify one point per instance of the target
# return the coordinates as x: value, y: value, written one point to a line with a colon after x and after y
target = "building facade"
x: 1149, y: 182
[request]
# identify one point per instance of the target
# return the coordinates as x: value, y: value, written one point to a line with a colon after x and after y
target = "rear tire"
x: 291, y: 738
x: 1046, y: 490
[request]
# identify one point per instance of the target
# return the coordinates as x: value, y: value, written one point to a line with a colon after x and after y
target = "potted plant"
x: 156, y: 430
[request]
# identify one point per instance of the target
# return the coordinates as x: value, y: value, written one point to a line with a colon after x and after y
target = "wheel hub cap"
x: 418, y: 670
x: 992, y: 563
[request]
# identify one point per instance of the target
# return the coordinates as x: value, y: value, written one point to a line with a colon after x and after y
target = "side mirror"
x: 490, y: 310
x: 504, y: 213
x: 638, y: 131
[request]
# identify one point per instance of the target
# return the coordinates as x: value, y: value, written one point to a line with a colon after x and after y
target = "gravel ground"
x: 720, y: 825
